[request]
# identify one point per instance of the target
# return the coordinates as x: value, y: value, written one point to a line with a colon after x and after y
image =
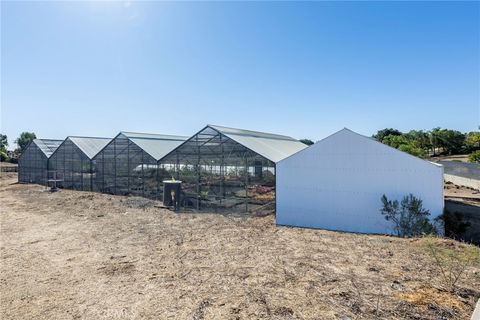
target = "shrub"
x: 268, y: 179
x: 474, y: 157
x: 451, y: 259
x: 409, y: 217
x: 3, y: 156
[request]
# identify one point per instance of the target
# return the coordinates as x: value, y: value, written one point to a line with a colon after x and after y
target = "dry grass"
x: 78, y: 255
x: 427, y: 297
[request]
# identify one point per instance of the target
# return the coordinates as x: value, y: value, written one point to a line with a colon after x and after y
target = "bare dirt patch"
x: 453, y: 191
x: 79, y: 255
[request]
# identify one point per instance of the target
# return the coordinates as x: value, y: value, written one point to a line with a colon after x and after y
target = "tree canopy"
x: 437, y: 141
x: 3, y: 141
x: 3, y: 147
x: 381, y: 134
x: 24, y: 139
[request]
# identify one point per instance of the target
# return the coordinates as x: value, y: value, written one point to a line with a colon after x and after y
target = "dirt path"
x: 78, y: 255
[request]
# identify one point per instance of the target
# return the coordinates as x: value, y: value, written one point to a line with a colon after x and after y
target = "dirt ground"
x: 453, y: 191
x: 458, y: 157
x: 467, y: 201
x: 79, y: 255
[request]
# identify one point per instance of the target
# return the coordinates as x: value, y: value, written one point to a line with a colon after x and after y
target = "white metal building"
x: 337, y: 184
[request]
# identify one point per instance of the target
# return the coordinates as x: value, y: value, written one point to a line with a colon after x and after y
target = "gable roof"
x: 47, y: 146
x: 274, y: 147
x: 156, y: 145
x: 374, y: 143
x: 89, y: 145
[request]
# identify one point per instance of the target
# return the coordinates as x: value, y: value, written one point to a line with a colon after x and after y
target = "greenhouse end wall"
x: 221, y: 175
x: 123, y: 168
x: 32, y: 165
x: 72, y: 167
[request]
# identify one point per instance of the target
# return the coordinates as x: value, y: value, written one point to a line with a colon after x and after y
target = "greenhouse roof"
x: 156, y: 145
x: 274, y: 147
x: 90, y: 145
x: 47, y: 146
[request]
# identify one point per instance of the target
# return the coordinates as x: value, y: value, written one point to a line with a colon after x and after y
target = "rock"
x: 396, y: 285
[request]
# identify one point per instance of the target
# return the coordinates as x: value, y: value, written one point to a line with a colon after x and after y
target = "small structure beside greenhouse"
x: 337, y: 184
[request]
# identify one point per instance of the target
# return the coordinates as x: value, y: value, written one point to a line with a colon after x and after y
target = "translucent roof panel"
x: 90, y: 145
x: 47, y: 146
x: 274, y: 147
x: 250, y: 133
x: 152, y: 136
x: 156, y: 145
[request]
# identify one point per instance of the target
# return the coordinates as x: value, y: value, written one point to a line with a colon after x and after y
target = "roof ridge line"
x: 253, y: 132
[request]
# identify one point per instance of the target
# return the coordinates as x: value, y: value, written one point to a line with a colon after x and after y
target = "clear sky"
x: 301, y: 69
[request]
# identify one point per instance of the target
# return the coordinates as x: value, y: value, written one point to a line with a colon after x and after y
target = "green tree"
x: 453, y: 141
x: 3, y: 147
x: 395, y: 141
x: 413, y: 150
x: 449, y: 141
x: 3, y: 141
x: 474, y: 157
x: 472, y: 140
x: 435, y: 139
x: 308, y: 142
x: 406, y: 143
x: 381, y: 134
x: 409, y: 217
x: 24, y: 139
x: 3, y: 156
x: 421, y: 139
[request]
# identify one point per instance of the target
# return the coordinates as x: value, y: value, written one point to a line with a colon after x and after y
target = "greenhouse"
x: 72, y: 162
x: 127, y: 165
x: 228, y: 170
x: 33, y: 162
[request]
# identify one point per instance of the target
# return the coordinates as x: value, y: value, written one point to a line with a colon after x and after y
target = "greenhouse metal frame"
x: 72, y: 162
x: 228, y: 170
x: 127, y: 165
x: 33, y: 162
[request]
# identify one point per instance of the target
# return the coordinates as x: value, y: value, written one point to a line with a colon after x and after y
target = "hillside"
x: 79, y: 255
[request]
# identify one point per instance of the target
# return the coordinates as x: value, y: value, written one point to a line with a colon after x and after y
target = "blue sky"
x: 302, y: 69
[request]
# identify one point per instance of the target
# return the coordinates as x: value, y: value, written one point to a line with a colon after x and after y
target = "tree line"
x: 435, y: 142
x: 22, y: 142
